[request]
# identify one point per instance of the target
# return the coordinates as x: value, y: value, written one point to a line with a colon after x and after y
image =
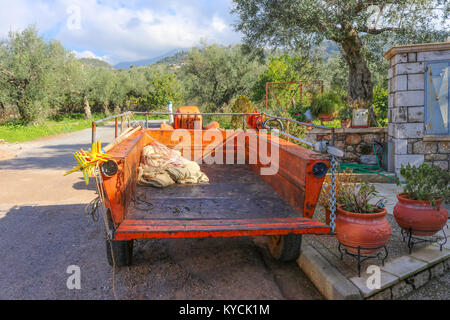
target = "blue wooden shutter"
x: 437, y: 106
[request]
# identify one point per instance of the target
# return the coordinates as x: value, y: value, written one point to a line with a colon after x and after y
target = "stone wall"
x: 357, y: 143
x: 408, y: 141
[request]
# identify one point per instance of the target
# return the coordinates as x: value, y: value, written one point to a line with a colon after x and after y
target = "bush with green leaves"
x: 299, y: 112
x: 241, y: 105
x: 356, y: 197
x: 345, y: 112
x: 380, y: 104
x: 328, y: 102
x: 426, y: 182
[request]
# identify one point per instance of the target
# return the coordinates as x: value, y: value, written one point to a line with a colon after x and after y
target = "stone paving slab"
x: 405, y: 266
x: 387, y: 280
x: 431, y: 254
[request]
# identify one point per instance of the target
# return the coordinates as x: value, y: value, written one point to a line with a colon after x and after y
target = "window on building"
x: 437, y: 113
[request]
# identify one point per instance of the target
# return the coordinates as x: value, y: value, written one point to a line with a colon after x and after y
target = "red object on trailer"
x: 256, y: 121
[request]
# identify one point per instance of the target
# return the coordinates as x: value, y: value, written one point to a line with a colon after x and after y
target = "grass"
x: 15, y: 131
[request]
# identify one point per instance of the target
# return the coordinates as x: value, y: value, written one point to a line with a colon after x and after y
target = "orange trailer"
x: 238, y: 200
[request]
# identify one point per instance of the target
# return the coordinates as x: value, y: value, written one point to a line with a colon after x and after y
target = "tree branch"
x: 378, y: 31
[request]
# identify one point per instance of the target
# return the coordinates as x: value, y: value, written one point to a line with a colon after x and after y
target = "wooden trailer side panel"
x: 294, y: 179
x: 120, y: 188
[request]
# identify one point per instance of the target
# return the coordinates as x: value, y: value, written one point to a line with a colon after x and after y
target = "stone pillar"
x: 407, y: 96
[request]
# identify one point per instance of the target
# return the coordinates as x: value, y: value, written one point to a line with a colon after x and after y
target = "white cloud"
x: 123, y: 31
x: 218, y: 24
x: 91, y: 55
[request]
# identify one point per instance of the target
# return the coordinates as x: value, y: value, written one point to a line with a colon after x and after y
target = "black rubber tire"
x: 123, y: 252
x: 285, y: 248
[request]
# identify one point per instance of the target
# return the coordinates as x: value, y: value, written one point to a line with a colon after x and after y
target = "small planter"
x: 368, y: 231
x: 326, y: 117
x: 360, y: 118
x: 419, y: 217
x: 308, y: 127
x: 346, y: 123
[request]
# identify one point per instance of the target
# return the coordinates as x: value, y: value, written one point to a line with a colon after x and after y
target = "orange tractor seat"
x: 187, y: 121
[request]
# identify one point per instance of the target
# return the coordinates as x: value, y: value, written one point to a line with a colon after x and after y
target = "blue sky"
x: 116, y: 31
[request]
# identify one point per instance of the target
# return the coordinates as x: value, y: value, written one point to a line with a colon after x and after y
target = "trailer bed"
x: 236, y: 202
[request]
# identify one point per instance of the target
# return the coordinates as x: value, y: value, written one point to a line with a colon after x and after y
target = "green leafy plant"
x: 380, y: 105
x: 328, y: 103
x: 426, y: 182
x: 355, y: 198
x: 241, y: 105
x: 345, y: 113
x: 298, y: 113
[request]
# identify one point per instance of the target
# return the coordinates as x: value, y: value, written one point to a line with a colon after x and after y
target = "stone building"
x: 419, y: 114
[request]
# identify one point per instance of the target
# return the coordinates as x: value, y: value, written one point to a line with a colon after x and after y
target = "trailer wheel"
x: 285, y: 248
x: 122, y: 250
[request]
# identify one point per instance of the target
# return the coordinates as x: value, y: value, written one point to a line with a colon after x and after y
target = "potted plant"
x: 345, y: 114
x: 342, y: 179
x: 325, y: 105
x: 420, y: 209
x: 360, y: 224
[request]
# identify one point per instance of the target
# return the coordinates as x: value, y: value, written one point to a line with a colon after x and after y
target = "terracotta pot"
x: 366, y: 230
x: 309, y: 127
x: 421, y: 216
x: 346, y: 123
x: 326, y: 117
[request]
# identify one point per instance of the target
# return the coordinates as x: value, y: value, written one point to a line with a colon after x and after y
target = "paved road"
x: 43, y: 230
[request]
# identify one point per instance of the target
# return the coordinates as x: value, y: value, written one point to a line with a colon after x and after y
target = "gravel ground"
x: 436, y: 289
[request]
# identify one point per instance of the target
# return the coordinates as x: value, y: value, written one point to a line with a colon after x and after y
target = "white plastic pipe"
x: 171, y: 112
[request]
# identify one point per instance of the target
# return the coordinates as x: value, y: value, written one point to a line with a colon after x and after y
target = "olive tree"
x: 214, y: 75
x: 359, y: 27
x: 30, y: 71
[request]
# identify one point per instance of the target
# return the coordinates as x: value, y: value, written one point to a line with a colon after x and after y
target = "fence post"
x: 94, y: 129
x: 116, y: 133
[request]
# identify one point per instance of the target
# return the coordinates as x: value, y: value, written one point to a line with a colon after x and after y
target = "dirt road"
x: 43, y: 230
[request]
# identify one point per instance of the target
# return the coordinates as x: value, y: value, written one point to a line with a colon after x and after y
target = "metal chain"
x: 333, y: 194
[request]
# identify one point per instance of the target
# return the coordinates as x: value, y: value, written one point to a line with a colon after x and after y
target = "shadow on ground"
x: 45, y: 157
x: 38, y: 243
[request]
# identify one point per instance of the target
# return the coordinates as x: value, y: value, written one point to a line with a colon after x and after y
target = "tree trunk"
x: 116, y: 109
x: 105, y: 108
x: 87, y: 108
x: 360, y: 86
x: 2, y: 110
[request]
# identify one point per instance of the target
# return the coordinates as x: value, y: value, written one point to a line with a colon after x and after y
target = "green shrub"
x: 356, y: 197
x: 328, y: 103
x: 426, y: 182
x: 241, y: 105
x: 345, y: 112
x: 380, y: 104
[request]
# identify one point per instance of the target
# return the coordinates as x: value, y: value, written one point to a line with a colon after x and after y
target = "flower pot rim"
x: 405, y: 198
x: 382, y: 212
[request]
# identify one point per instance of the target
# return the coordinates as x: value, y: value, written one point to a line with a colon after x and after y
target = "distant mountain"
x: 146, y: 62
x: 96, y: 63
x: 176, y: 59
